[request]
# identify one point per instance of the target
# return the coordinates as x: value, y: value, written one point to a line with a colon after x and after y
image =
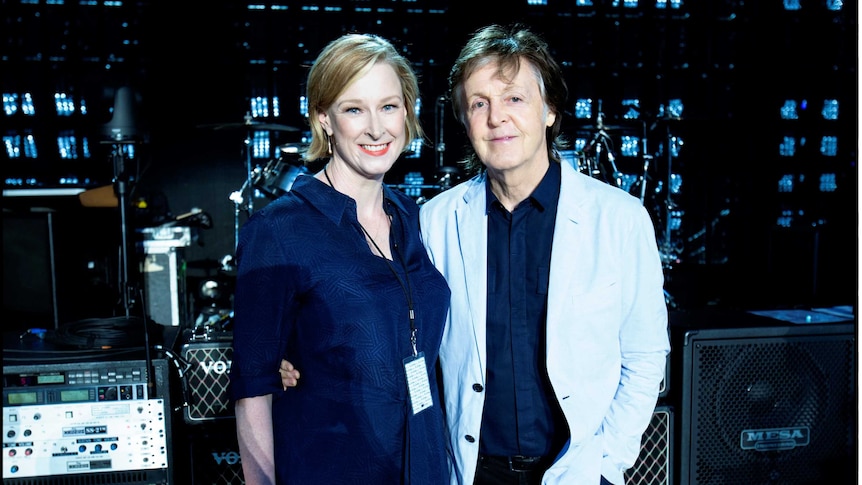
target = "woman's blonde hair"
x: 339, y: 64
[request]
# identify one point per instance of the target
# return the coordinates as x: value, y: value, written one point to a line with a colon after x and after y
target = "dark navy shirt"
x: 310, y: 289
x: 521, y: 415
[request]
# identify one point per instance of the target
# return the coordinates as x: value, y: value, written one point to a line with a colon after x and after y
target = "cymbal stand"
x: 248, y: 169
x: 237, y: 198
x: 597, y: 144
x: 647, y: 158
x: 668, y: 203
x: 666, y: 248
x: 601, y: 140
x: 664, y: 243
x: 439, y: 142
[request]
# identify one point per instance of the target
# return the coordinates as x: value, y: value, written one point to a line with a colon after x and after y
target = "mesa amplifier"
x: 87, y: 422
x: 208, y: 377
x: 768, y: 404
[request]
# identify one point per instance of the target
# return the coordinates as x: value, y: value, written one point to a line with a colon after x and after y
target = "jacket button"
x: 470, y: 439
x: 478, y: 387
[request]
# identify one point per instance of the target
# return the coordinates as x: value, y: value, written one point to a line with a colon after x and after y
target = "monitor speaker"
x: 768, y: 405
x: 654, y: 463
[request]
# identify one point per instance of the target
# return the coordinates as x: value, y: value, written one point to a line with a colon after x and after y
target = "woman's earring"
x: 329, y: 142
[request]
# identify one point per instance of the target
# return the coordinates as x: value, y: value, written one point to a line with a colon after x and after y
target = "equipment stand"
x: 121, y: 187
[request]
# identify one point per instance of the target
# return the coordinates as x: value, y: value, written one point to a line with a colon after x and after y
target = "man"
x: 556, y: 339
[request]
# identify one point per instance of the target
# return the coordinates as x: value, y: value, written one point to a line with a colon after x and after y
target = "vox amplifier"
x: 208, y: 378
x: 654, y: 463
x: 214, y: 454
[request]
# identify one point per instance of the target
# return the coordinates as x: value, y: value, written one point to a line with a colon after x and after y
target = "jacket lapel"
x: 473, y: 241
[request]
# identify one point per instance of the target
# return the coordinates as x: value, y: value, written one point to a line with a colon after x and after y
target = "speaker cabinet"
x: 771, y: 404
x: 208, y: 379
x: 654, y: 463
x: 214, y: 454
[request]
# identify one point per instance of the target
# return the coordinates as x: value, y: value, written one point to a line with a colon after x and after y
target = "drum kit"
x: 274, y: 179
x: 598, y: 160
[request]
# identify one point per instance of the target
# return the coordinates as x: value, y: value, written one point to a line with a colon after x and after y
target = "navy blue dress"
x: 309, y: 289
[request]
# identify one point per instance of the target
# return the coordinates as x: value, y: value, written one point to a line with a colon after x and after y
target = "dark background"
x: 738, y: 240
x: 732, y: 237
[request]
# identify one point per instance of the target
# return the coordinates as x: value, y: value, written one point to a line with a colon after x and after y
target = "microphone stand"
x: 123, y: 132
x: 121, y: 189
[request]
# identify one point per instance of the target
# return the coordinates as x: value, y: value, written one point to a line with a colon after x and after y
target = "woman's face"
x: 367, y: 123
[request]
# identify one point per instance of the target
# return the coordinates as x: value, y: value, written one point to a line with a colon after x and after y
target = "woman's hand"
x: 289, y: 374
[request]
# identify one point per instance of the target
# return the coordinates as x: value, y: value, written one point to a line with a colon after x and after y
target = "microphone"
x: 123, y: 124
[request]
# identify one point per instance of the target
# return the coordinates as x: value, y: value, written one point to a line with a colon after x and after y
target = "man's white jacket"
x: 606, y: 326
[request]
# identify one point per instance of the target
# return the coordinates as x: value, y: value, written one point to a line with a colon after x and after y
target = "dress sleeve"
x: 263, y: 298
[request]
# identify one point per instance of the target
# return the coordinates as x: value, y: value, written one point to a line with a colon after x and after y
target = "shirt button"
x: 478, y: 387
x: 470, y: 439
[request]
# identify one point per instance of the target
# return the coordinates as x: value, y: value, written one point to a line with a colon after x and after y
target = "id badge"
x: 418, y: 386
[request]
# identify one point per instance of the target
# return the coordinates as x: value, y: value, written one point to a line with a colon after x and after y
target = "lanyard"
x: 408, y: 291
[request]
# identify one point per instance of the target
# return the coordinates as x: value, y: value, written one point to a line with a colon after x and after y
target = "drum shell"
x: 278, y: 176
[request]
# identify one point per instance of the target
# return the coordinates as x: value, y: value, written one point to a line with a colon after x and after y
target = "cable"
x: 182, y: 367
x: 98, y: 333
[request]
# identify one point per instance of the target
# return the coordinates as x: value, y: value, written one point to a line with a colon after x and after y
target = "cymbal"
x: 292, y: 147
x: 605, y: 127
x: 251, y: 125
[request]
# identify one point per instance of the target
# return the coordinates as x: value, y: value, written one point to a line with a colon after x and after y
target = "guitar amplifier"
x: 214, y: 455
x: 208, y: 377
x: 654, y: 463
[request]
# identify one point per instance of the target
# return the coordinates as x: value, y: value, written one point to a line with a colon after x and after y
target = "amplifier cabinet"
x: 654, y: 465
x: 769, y: 405
x: 214, y: 454
x: 208, y: 379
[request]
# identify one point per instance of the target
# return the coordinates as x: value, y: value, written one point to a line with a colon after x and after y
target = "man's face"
x: 506, y: 119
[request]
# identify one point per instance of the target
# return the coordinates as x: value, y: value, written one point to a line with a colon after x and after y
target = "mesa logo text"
x: 774, y: 439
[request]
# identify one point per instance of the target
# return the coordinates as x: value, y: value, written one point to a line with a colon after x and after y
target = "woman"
x: 333, y: 276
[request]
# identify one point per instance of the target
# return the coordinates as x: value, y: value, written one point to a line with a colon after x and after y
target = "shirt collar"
x: 544, y: 195
x: 334, y: 204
